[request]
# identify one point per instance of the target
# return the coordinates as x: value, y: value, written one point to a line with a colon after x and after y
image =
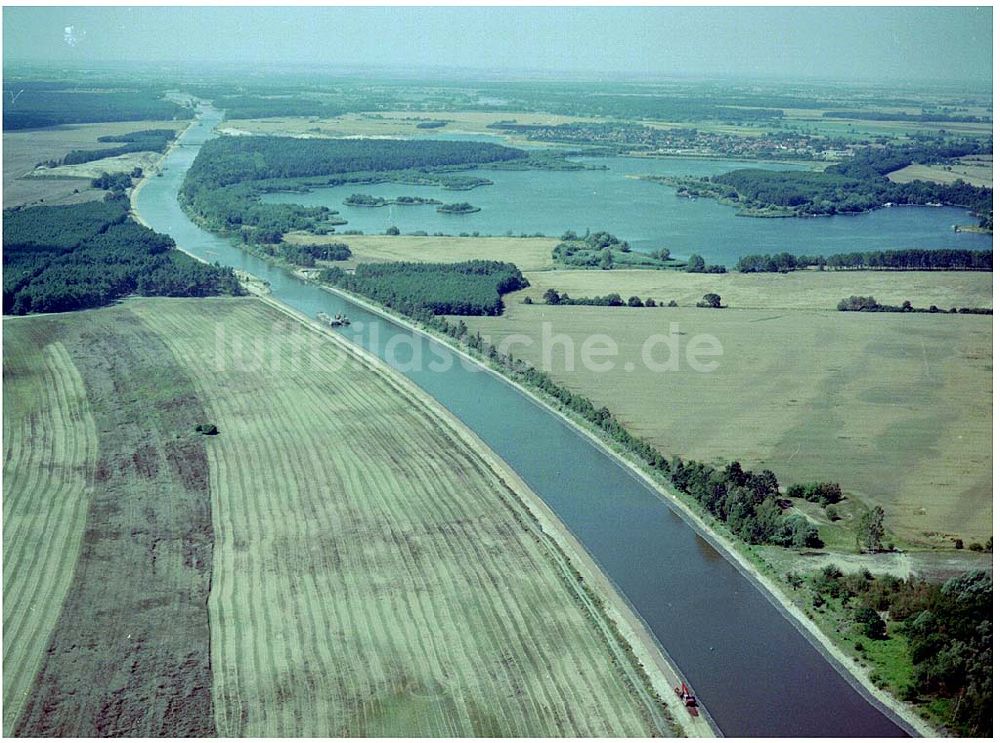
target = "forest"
x: 469, y: 288
x: 224, y: 183
x: 857, y: 185
x: 943, y: 259
x: 62, y: 258
x: 31, y: 105
x: 948, y: 630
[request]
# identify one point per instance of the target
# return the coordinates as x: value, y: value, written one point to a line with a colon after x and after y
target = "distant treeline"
x: 469, y: 288
x: 945, y: 259
x: 641, y: 106
x: 29, y: 105
x: 897, y: 116
x: 260, y: 107
x: 147, y: 140
x: 870, y: 304
x: 61, y: 258
x: 224, y: 183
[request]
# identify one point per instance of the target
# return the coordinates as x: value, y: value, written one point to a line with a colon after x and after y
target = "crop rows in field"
x: 50, y: 448
x: 373, y: 576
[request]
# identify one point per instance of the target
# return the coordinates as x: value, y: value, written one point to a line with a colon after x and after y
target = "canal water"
x: 752, y: 669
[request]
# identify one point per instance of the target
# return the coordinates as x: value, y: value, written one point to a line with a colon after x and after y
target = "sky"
x: 840, y: 43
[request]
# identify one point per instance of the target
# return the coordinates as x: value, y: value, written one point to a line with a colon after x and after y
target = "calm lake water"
x: 753, y: 670
x: 647, y: 214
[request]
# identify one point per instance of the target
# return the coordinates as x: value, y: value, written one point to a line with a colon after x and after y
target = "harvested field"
x: 50, y: 452
x: 128, y: 654
x: 897, y: 408
x: 800, y: 290
x: 371, y: 571
x: 23, y: 150
x: 527, y: 253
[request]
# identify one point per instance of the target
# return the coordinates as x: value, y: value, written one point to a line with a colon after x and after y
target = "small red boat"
x: 688, y: 698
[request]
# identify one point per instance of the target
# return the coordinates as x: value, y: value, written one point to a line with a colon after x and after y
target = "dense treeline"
x: 857, y: 185
x: 306, y: 255
x: 260, y: 107
x: 900, y: 116
x: 59, y: 228
x: 115, y: 181
x: 747, y: 502
x: 469, y: 288
x: 146, y: 140
x: 946, y: 259
x: 228, y: 160
x: 62, y: 258
x: 949, y: 632
x: 224, y: 183
x: 870, y: 304
x: 31, y: 105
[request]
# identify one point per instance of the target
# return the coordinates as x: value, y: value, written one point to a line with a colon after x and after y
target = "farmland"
x: 368, y: 567
x: 895, y: 408
x: 975, y: 169
x: 387, y: 124
x: 23, y: 150
x: 799, y: 290
x: 527, y: 253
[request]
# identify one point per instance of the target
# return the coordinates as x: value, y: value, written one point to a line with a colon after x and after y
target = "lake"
x: 646, y: 214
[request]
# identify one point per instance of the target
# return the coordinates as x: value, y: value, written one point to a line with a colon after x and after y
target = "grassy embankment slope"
x: 894, y: 407
x: 22, y: 150
x: 371, y: 570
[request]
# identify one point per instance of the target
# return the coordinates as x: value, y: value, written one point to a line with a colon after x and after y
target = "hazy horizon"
x: 847, y: 44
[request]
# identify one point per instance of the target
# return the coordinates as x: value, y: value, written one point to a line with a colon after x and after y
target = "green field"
x: 528, y: 253
x: 799, y: 290
x: 368, y: 568
x: 897, y: 408
x: 976, y: 170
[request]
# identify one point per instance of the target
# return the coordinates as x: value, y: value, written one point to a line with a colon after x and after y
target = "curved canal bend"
x: 753, y: 670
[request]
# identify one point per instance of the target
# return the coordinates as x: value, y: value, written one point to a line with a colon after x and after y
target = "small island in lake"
x: 462, y: 208
x: 361, y: 199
